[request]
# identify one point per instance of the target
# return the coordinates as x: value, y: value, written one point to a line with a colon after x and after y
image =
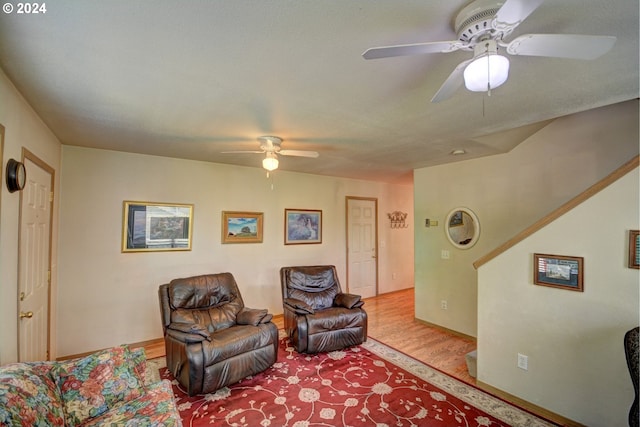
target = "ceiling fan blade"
x: 299, y: 153
x: 561, y: 45
x: 412, y: 49
x: 513, y: 12
x: 452, y: 84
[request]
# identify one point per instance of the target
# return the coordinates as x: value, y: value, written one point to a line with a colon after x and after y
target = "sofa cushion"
x: 29, y: 396
x: 139, y: 360
x: 155, y: 408
x: 92, y: 385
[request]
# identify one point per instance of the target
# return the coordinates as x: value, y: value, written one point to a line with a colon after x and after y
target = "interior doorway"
x: 362, y: 246
x: 34, y: 261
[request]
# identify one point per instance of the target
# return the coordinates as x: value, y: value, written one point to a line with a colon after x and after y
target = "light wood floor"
x: 392, y: 322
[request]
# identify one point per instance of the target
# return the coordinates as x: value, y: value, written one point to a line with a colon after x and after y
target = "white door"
x: 34, y: 263
x: 362, y: 262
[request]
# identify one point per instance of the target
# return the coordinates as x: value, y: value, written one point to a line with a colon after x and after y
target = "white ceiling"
x: 190, y: 79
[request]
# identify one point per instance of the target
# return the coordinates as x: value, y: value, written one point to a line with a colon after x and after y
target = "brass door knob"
x: 28, y: 315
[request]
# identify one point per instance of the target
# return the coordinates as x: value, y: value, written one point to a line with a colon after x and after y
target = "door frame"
x: 26, y: 154
x: 346, y: 208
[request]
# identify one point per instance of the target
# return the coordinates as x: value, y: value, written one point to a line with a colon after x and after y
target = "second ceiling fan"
x: 482, y: 27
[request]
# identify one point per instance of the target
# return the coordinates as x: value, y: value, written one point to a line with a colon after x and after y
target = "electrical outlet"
x: 443, y: 304
x: 523, y: 362
x: 444, y: 254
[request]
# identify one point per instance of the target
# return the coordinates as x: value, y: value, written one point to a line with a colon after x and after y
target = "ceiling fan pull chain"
x: 488, y: 71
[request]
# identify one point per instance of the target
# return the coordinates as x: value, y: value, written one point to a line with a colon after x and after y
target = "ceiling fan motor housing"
x: 270, y: 143
x: 474, y: 22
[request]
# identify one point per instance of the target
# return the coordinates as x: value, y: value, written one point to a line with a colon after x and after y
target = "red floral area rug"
x: 367, y: 385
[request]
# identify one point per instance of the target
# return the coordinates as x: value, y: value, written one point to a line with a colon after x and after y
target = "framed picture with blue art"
x: 242, y: 227
x: 634, y: 249
x: 302, y: 226
x: 558, y: 271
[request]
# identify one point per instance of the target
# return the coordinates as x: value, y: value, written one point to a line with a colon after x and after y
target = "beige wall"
x: 573, y: 341
x: 23, y: 129
x: 107, y: 297
x: 508, y: 193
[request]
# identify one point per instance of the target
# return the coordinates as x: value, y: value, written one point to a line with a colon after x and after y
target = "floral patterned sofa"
x: 107, y: 388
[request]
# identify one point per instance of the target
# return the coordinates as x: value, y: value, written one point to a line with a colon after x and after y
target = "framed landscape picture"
x: 634, y: 249
x: 242, y: 227
x: 150, y: 227
x: 558, y: 271
x: 302, y: 226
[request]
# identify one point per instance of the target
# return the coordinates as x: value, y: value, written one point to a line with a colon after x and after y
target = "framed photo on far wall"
x: 242, y: 227
x: 557, y: 271
x: 634, y: 249
x: 148, y: 227
x: 302, y: 226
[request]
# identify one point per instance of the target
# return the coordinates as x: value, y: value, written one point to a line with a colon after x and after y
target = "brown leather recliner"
x: 211, y: 338
x: 318, y: 316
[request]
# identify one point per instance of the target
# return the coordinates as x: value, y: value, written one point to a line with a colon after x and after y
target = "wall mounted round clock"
x: 16, y: 175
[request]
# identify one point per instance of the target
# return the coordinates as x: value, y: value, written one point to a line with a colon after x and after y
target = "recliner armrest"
x: 298, y: 306
x: 348, y: 300
x: 188, y: 332
x: 253, y: 316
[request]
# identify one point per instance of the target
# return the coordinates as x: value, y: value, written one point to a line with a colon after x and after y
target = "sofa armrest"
x: 188, y: 332
x: 298, y: 306
x: 253, y: 316
x: 348, y: 300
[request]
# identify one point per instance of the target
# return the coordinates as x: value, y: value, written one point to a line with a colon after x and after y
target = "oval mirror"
x: 462, y: 228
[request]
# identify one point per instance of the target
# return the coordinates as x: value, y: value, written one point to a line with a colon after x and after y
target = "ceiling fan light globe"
x: 486, y: 71
x: 270, y: 163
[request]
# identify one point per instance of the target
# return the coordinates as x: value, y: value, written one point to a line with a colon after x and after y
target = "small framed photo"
x: 302, y: 226
x: 242, y: 227
x: 634, y: 249
x: 150, y: 227
x: 557, y: 271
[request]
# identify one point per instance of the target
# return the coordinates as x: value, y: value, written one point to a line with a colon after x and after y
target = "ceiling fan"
x: 271, y: 147
x: 481, y: 27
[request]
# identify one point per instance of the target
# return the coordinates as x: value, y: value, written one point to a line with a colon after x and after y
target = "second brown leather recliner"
x: 211, y: 338
x: 318, y: 316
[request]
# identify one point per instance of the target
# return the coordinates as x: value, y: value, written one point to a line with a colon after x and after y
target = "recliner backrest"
x: 212, y: 300
x: 316, y: 285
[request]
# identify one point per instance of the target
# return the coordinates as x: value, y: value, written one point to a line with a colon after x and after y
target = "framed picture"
x: 634, y: 249
x: 156, y: 227
x: 302, y: 226
x: 242, y: 227
x: 558, y: 271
